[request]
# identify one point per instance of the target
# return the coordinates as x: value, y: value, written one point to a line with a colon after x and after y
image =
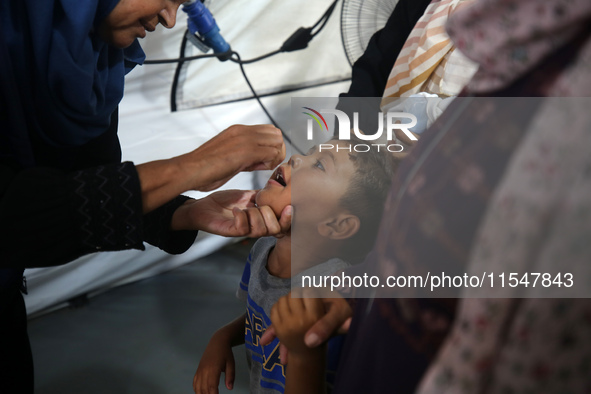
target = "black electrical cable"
x: 256, y: 59
x: 254, y: 93
x: 325, y: 17
x: 173, y: 105
x: 256, y: 96
x: 179, y: 59
x: 182, y: 59
x: 177, y: 73
x: 298, y: 40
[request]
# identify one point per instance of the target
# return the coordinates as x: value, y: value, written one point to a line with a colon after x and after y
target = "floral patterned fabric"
x: 540, y: 214
x: 508, y: 38
x: 539, y: 219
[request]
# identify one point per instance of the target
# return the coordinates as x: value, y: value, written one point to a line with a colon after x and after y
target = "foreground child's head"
x: 338, y: 194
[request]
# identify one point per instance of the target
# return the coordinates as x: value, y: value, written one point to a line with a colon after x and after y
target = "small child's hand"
x: 217, y: 358
x: 292, y: 317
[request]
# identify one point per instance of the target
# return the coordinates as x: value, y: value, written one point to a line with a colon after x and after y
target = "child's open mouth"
x: 279, y: 177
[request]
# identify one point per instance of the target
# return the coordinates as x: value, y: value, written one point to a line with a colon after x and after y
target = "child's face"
x: 320, y: 179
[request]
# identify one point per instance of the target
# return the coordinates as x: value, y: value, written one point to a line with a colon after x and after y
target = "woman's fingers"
x: 258, y: 228
x: 238, y: 148
x: 258, y: 222
x: 345, y: 326
x: 267, y: 158
x: 241, y: 221
x: 285, y: 219
x: 338, y: 312
x: 271, y: 223
x: 258, y: 147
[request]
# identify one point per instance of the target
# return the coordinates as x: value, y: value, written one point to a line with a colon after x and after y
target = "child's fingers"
x: 197, y: 382
x: 275, y: 318
x: 310, y: 293
x: 206, y: 382
x: 210, y: 385
x: 313, y: 305
x: 269, y: 335
x: 230, y: 373
x: 298, y: 292
x: 295, y: 302
x: 283, y: 307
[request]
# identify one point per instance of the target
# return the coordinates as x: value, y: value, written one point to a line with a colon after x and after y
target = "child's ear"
x: 342, y: 226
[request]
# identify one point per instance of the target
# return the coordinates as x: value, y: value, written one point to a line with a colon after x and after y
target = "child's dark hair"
x: 366, y: 195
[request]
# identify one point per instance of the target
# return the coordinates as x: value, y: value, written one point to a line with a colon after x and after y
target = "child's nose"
x: 295, y: 161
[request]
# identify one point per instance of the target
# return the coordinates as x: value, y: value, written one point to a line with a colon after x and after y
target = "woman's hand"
x: 217, y: 358
x: 336, y: 320
x: 238, y: 148
x: 230, y: 213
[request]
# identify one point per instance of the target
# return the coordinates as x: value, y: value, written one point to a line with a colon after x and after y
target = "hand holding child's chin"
x: 285, y: 222
x: 230, y: 213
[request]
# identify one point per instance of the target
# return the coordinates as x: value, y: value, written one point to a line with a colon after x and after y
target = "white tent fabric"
x: 149, y: 131
x: 254, y: 28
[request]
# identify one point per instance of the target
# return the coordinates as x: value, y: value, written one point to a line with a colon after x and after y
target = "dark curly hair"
x: 366, y: 194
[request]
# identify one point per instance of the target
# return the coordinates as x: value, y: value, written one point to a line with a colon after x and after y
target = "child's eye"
x: 319, y: 165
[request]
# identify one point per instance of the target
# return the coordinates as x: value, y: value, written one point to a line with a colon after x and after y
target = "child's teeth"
x: 279, y: 178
